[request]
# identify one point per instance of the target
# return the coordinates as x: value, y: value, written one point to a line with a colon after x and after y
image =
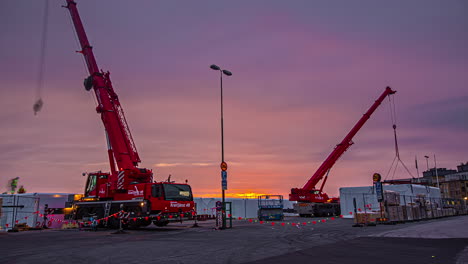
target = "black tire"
x: 144, y: 223
x: 82, y: 211
x: 160, y: 223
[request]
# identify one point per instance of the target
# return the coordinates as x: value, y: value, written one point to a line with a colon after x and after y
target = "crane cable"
x: 40, y: 80
x: 397, y: 151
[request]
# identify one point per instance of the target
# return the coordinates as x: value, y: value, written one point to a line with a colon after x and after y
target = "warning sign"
x: 223, y: 166
x: 376, y: 177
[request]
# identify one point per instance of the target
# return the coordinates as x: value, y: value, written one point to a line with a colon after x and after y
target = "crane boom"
x: 306, y: 193
x: 127, y: 187
x: 112, y: 115
x: 120, y: 144
x: 345, y: 143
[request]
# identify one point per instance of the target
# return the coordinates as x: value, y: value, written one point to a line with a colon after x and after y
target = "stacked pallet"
x: 416, y: 210
x: 69, y: 226
x: 429, y: 213
x: 448, y: 211
x: 395, y: 213
x: 392, y: 198
x: 423, y: 213
x: 407, y: 212
x: 22, y: 227
x: 367, y: 217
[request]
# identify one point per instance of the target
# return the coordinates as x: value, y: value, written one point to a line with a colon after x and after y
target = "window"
x: 91, y: 183
x: 177, y: 192
x: 156, y: 190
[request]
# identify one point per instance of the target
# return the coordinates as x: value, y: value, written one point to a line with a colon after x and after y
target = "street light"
x: 435, y: 167
x: 223, y: 164
x: 427, y: 162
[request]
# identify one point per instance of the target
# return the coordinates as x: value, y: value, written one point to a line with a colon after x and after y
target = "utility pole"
x: 427, y: 162
x: 435, y: 166
x: 416, y: 162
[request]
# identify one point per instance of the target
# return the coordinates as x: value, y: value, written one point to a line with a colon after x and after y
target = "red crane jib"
x: 309, y: 193
x: 122, y: 149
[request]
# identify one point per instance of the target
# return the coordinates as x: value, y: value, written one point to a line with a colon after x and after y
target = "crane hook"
x: 37, y: 106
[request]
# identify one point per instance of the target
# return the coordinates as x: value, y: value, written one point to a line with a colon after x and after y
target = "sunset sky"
x: 303, y: 72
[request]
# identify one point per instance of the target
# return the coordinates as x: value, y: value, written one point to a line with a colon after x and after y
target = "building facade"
x: 455, y: 185
x: 432, y: 176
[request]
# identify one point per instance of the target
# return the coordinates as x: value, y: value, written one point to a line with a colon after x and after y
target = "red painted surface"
x: 125, y: 181
x: 309, y: 193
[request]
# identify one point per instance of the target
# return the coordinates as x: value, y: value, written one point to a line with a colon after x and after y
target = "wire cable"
x: 43, y: 49
x: 397, y: 151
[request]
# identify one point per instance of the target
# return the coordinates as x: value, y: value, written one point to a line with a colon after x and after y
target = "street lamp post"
x: 427, y: 162
x: 435, y: 167
x: 223, y: 163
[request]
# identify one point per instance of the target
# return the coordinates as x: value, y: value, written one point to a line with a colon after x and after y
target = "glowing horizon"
x: 302, y: 77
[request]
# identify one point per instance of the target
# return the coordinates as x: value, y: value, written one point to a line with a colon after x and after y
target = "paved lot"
x: 330, y: 242
x: 378, y: 250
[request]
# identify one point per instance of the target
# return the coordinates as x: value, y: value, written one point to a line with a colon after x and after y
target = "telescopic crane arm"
x: 345, y: 143
x: 340, y: 148
x: 121, y: 148
x: 117, y: 131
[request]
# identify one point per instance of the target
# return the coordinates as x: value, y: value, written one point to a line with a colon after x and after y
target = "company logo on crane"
x: 135, y: 192
x: 176, y: 204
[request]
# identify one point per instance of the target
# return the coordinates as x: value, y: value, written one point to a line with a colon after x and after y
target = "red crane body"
x: 120, y: 141
x: 309, y: 193
x: 125, y: 184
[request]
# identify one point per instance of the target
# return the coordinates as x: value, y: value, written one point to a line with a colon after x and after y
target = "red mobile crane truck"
x: 312, y: 201
x: 126, y: 186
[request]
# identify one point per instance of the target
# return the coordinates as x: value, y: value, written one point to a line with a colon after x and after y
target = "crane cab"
x: 96, y: 185
x: 168, y: 197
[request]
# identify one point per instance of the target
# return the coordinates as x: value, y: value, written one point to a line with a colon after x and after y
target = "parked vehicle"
x: 270, y: 207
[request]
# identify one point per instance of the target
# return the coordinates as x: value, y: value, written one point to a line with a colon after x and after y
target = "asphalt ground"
x: 334, y: 241
x: 378, y: 250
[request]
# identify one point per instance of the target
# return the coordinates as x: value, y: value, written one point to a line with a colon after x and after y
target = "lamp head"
x: 215, y: 67
x: 226, y: 72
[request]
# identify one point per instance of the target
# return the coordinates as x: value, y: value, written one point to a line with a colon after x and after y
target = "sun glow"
x: 242, y: 195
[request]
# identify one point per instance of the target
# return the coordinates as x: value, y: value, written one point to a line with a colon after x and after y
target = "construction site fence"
x: 403, y: 208
x: 15, y: 209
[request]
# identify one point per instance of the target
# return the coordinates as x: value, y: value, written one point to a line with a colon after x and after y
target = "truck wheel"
x: 133, y: 224
x: 82, y: 212
x: 144, y: 223
x: 160, y: 223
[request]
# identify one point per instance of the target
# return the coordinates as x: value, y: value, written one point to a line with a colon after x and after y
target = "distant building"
x: 430, y: 176
x: 455, y: 185
x: 452, y: 183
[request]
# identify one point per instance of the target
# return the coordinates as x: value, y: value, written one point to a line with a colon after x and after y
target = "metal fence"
x: 18, y: 210
x: 403, y: 208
